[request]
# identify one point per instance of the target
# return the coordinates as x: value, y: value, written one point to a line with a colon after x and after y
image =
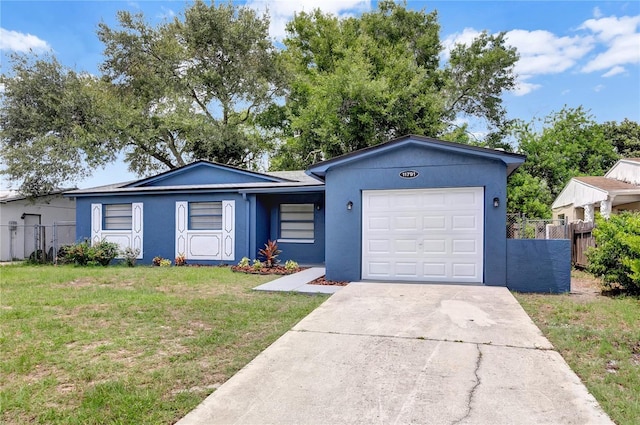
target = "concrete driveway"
x: 406, y: 353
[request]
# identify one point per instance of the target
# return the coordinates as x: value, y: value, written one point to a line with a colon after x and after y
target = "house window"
x: 296, y: 221
x: 117, y: 217
x: 205, y: 215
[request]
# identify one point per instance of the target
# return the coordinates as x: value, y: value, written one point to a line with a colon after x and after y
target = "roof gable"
x: 203, y: 173
x: 511, y: 160
x: 626, y: 170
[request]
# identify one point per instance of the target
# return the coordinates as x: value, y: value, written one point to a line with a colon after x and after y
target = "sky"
x: 573, y: 53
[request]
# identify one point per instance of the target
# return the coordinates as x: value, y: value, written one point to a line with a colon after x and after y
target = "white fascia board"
x: 579, y: 194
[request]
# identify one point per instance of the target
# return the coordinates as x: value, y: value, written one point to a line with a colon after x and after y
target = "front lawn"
x: 600, y: 339
x: 129, y: 345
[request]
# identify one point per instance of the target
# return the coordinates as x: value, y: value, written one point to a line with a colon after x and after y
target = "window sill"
x: 296, y: 241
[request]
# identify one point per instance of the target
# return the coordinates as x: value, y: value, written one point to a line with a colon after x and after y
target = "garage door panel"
x: 434, y: 270
x: 406, y: 269
x: 379, y: 223
x: 406, y: 223
x: 406, y: 246
x: 377, y: 202
x: 435, y: 222
x: 432, y: 199
x: 464, y: 222
x: 462, y: 246
x: 462, y: 198
x: 464, y: 271
x: 423, y: 234
x: 379, y: 268
x: 435, y: 246
x: 379, y: 246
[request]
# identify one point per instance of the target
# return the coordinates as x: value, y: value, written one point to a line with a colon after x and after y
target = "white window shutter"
x: 228, y: 230
x: 96, y: 223
x: 182, y: 210
x: 137, y: 225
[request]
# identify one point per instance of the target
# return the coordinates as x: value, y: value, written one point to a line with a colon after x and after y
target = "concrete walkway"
x: 403, y: 353
x: 299, y: 282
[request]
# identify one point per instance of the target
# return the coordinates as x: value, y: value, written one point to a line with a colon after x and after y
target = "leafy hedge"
x: 83, y: 253
x: 616, y: 257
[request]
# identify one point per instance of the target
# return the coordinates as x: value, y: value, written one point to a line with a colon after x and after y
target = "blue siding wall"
x: 303, y: 253
x: 438, y: 169
x: 160, y: 222
x: 535, y: 265
x: 206, y: 174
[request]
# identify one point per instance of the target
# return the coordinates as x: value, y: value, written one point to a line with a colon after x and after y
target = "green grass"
x: 129, y: 345
x: 599, y: 337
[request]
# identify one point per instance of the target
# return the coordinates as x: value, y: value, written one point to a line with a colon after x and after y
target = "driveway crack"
x: 472, y: 392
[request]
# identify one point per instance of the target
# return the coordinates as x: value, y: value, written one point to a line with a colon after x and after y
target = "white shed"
x: 48, y: 220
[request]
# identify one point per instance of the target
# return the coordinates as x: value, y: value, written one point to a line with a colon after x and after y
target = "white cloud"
x: 166, y: 13
x: 606, y: 29
x: 281, y: 11
x: 542, y: 52
x: 622, y: 50
x: 598, y: 88
x: 614, y: 71
x: 597, y: 13
x: 523, y: 87
x: 620, y: 39
x: 465, y: 37
x: 21, y: 42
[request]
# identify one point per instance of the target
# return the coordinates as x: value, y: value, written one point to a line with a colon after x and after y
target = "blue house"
x: 412, y: 209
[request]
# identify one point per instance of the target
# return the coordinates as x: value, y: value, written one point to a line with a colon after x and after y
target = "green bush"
x: 77, y: 253
x: 291, y: 265
x: 83, y: 253
x: 130, y: 256
x: 616, y: 257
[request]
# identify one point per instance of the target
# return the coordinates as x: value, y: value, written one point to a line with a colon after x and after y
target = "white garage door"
x: 428, y: 235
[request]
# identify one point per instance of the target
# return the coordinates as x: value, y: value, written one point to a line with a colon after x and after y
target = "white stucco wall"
x: 51, y: 210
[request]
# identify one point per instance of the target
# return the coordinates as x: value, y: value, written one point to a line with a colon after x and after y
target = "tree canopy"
x: 186, y: 89
x: 360, y: 81
x: 569, y: 144
x: 54, y: 124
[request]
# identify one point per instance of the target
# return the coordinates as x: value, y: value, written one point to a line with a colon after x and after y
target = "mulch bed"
x: 279, y: 270
x: 323, y: 281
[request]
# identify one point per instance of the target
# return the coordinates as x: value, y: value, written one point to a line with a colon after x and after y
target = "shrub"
x: 103, y: 252
x: 270, y: 253
x: 257, y: 264
x: 156, y: 260
x: 130, y: 256
x: 83, y: 253
x: 165, y: 262
x: 291, y: 265
x: 180, y: 260
x: 77, y: 253
x: 616, y: 257
x: 244, y: 262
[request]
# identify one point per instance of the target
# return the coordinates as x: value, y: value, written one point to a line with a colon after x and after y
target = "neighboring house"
x: 583, y: 197
x: 412, y: 209
x: 20, y: 216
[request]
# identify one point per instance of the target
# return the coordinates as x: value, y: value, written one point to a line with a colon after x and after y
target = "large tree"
x: 569, y: 144
x: 624, y: 136
x: 186, y: 89
x: 55, y: 124
x: 194, y: 85
x: 357, y: 82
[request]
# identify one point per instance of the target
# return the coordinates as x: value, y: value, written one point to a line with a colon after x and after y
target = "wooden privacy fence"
x: 581, y: 235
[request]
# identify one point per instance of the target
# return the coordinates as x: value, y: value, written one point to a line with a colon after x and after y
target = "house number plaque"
x: 409, y: 174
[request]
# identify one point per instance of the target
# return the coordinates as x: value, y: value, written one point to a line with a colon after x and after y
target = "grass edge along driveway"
x: 129, y: 345
x: 599, y: 337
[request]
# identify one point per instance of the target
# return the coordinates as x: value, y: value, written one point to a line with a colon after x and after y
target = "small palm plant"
x: 270, y: 253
